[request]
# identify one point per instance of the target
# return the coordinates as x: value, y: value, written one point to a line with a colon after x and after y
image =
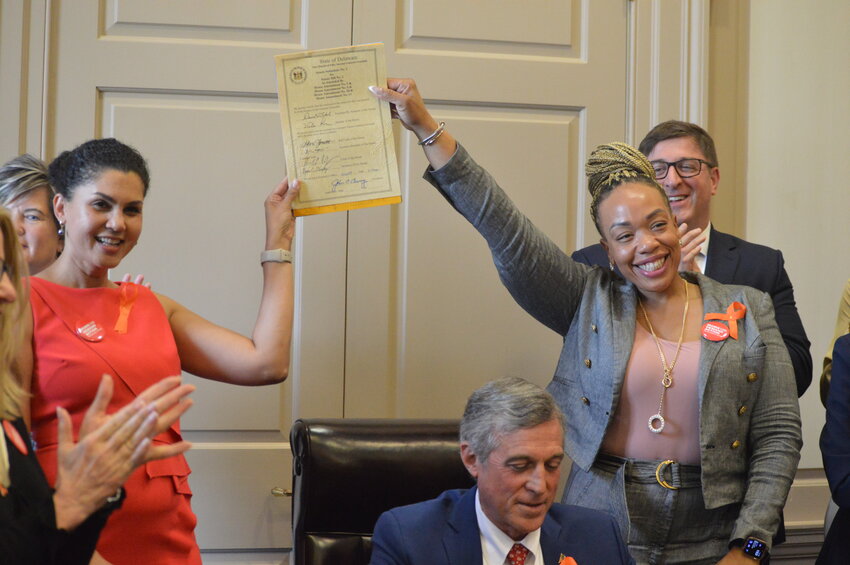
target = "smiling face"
x: 517, y: 482
x: 690, y: 198
x: 103, y: 220
x: 32, y: 214
x: 640, y: 237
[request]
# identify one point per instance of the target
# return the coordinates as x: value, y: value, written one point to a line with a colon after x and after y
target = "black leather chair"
x: 346, y: 472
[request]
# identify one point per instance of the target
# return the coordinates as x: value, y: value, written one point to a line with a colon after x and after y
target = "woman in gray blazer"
x: 682, y: 415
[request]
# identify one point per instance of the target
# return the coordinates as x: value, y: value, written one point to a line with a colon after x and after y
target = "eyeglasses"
x: 686, y: 168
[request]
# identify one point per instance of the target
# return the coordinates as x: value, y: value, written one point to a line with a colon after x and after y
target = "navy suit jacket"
x: 835, y: 449
x: 444, y: 531
x: 731, y: 260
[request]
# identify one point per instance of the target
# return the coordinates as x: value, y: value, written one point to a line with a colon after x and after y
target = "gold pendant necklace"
x: 667, y: 379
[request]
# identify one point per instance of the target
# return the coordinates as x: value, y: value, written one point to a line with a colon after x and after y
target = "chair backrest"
x: 346, y: 472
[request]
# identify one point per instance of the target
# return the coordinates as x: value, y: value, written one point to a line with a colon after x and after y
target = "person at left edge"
x: 511, y: 442
x: 80, y: 323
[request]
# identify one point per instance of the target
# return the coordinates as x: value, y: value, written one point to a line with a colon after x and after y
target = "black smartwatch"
x: 755, y: 548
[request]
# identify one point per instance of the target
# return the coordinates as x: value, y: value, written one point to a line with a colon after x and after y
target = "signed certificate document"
x: 338, y: 138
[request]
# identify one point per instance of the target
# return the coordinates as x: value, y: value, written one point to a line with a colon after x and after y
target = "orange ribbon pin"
x: 735, y: 312
x: 14, y: 436
x: 129, y: 293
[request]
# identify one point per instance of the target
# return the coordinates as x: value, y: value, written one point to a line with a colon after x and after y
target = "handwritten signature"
x: 315, y: 115
x: 336, y: 184
x: 314, y: 125
x: 320, y: 163
x: 316, y: 142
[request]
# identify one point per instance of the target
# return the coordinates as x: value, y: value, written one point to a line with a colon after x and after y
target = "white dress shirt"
x: 702, y: 257
x: 496, y: 544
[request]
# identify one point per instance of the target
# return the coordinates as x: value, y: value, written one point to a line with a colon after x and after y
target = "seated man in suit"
x: 511, y: 441
x: 685, y: 163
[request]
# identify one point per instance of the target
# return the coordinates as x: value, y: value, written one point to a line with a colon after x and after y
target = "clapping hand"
x: 112, y: 446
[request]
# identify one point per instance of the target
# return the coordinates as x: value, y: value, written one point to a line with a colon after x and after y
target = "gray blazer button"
x: 752, y: 377
x: 742, y: 410
x: 585, y: 400
x: 587, y: 363
x: 735, y: 444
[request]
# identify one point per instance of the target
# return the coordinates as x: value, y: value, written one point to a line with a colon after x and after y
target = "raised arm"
x: 537, y: 273
x: 214, y: 352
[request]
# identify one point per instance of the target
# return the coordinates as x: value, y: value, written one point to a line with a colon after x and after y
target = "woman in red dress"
x: 83, y: 324
x: 40, y: 526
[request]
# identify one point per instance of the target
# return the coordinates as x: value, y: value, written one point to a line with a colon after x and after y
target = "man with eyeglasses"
x: 686, y: 166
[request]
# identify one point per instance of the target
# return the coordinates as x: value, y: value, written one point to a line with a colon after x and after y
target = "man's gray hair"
x: 502, y: 407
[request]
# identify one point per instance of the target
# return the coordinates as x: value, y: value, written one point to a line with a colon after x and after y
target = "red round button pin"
x: 90, y: 331
x: 714, y: 331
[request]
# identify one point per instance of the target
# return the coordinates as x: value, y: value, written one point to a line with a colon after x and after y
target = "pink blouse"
x: 628, y: 434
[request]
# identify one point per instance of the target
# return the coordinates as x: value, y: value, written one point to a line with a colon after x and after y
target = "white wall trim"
x: 699, y: 12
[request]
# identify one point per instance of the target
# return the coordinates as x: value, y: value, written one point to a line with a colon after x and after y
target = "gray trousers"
x: 661, y: 525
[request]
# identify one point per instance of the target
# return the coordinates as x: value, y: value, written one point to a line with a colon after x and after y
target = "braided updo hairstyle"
x: 86, y: 162
x: 611, y: 165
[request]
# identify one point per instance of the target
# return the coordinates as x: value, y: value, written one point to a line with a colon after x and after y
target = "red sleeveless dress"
x: 78, y: 335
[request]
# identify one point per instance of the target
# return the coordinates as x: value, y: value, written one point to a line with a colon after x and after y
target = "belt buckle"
x: 658, y: 472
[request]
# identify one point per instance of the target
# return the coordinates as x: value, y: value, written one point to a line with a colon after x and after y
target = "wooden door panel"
x: 188, y: 17
x: 523, y: 24
x: 239, y: 494
x: 571, y: 53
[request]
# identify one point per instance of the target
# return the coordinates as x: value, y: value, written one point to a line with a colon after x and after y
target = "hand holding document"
x: 338, y: 138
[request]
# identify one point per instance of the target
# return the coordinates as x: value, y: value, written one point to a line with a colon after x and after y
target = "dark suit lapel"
x: 550, y: 535
x: 723, y: 257
x: 462, y: 541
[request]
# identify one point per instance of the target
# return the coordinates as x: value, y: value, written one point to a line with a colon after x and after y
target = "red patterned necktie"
x: 517, y: 554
